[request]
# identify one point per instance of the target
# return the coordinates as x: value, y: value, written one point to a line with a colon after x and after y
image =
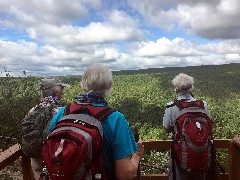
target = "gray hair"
x: 183, y: 84
x: 51, y: 91
x: 97, y: 79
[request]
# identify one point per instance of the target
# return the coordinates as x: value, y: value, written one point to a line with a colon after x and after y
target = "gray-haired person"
x: 52, y: 90
x: 183, y: 104
x: 120, y: 152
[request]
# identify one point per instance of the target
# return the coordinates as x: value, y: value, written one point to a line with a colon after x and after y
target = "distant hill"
x: 225, y: 67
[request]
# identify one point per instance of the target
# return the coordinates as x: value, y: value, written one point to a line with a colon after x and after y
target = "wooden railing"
x: 10, y: 155
x: 231, y: 145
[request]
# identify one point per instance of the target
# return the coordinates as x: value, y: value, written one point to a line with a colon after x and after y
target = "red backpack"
x: 74, y: 149
x: 192, y: 146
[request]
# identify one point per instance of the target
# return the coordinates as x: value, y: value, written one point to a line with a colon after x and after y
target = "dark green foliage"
x: 141, y: 97
x: 17, y: 97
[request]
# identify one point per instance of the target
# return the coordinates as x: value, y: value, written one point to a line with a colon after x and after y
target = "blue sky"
x: 61, y: 37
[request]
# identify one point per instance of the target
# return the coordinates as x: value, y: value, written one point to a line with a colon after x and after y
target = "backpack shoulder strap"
x: 104, y: 113
x: 98, y: 112
x: 176, y: 102
x: 182, y: 104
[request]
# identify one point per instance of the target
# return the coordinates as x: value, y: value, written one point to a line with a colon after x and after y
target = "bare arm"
x: 126, y: 168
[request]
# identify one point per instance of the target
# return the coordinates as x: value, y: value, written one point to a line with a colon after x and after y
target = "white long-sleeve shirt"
x: 172, y: 112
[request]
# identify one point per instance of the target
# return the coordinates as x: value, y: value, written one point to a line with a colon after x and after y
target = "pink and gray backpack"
x: 74, y: 150
x: 192, y: 146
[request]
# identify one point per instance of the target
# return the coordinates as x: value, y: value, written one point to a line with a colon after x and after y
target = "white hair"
x: 97, y: 79
x: 51, y: 92
x: 183, y: 84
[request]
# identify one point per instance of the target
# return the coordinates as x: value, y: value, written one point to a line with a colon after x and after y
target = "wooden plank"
x: 166, y: 144
x: 154, y: 177
x: 236, y: 140
x: 10, y: 155
x: 157, y: 144
x: 26, y: 168
x: 233, y: 161
x: 222, y: 143
x: 225, y: 176
x: 14, y: 152
x: 166, y: 177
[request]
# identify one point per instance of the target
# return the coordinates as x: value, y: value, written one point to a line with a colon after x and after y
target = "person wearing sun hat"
x: 52, y: 90
x: 52, y: 87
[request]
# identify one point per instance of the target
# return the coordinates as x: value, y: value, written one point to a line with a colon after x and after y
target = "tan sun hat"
x: 48, y: 83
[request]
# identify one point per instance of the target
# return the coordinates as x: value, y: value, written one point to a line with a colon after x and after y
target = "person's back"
x: 190, y: 122
x: 34, y: 125
x: 120, y: 153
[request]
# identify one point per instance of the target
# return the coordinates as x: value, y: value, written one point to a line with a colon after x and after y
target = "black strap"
x: 174, y: 159
x: 173, y: 169
x: 100, y: 115
x: 179, y: 104
x: 67, y: 109
x: 201, y: 104
x: 103, y: 114
x: 98, y: 112
x: 175, y: 102
x: 110, y: 175
x: 95, y: 156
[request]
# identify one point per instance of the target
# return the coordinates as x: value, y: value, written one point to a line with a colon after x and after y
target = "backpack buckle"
x: 79, y: 122
x: 75, y: 121
x: 189, y: 171
x: 198, y: 125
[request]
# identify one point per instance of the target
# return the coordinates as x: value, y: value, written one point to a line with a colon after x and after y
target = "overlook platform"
x: 231, y: 145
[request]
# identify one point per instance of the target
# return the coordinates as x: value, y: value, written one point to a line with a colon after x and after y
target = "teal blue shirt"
x: 117, y: 137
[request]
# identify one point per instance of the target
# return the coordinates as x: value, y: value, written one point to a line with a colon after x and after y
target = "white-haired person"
x: 52, y: 90
x: 183, y: 86
x: 120, y: 151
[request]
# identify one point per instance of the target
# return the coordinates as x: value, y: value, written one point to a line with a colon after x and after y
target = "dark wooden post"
x: 26, y: 168
x: 136, y: 137
x: 234, y: 159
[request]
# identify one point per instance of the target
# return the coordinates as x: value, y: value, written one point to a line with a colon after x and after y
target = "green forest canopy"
x: 141, y: 95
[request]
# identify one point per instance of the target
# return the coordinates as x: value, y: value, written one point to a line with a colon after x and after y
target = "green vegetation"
x: 141, y: 96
